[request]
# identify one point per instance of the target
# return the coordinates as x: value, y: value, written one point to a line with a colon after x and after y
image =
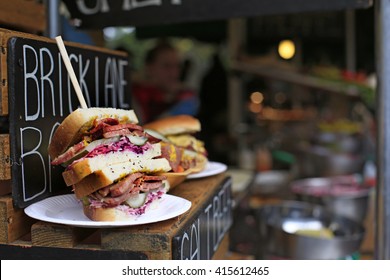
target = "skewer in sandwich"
x: 112, y: 164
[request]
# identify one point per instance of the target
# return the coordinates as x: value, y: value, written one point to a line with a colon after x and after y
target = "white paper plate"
x: 67, y: 210
x: 212, y: 168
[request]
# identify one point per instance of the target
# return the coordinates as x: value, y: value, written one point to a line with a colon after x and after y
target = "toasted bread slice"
x: 86, y: 166
x: 110, y: 174
x: 79, y: 121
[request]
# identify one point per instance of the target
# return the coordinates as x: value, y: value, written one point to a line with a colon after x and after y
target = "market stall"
x: 35, y: 110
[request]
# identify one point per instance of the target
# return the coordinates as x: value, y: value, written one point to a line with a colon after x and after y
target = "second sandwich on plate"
x: 185, y: 153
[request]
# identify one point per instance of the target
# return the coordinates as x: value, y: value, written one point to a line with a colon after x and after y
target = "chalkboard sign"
x: 103, y: 13
x: 200, y: 239
x: 41, y: 96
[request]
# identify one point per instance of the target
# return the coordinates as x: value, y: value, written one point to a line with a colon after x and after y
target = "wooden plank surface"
x: 26, y: 15
x: 5, y: 159
x: 56, y: 235
x: 3, y: 78
x: 13, y: 222
x: 155, y: 240
x: 5, y: 186
x: 26, y: 252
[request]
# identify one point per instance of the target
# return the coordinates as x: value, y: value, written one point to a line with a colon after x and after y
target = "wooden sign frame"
x: 25, y: 15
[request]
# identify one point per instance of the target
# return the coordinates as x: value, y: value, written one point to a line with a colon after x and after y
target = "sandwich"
x: 180, y: 147
x: 112, y: 164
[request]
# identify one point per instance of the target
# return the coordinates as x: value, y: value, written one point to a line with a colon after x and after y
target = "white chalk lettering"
x: 70, y: 88
x: 28, y: 89
x: 202, y: 239
x: 46, y: 78
x: 129, y: 4
x: 100, y: 6
x: 48, y: 156
x: 207, y: 211
x: 45, y: 90
x: 33, y: 152
x: 122, y: 82
x: 83, y: 71
x: 60, y: 83
x: 195, y: 241
x: 97, y: 81
x: 183, y: 239
x: 216, y: 222
x: 70, y: 93
x: 191, y: 242
x: 110, y: 81
x: 221, y: 225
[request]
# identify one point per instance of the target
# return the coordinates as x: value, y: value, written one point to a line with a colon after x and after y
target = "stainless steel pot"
x: 280, y: 236
x: 342, y: 142
x: 318, y: 161
x: 271, y: 182
x: 342, y: 195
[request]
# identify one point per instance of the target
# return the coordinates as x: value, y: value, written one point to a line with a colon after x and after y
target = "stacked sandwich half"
x: 111, y: 162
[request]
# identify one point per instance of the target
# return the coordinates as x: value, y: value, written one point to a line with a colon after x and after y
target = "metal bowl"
x: 271, y: 181
x: 282, y: 226
x: 343, y: 142
x: 342, y: 195
x: 317, y: 161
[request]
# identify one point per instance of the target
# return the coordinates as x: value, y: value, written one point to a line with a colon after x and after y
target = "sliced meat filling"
x: 173, y: 154
x: 97, y: 131
x: 70, y: 153
x: 104, y: 128
x: 176, y: 157
x: 132, y: 184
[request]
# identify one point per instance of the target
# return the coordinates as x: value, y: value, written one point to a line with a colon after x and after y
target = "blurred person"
x: 160, y: 93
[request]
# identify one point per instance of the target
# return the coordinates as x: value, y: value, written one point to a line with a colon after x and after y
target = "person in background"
x: 160, y: 93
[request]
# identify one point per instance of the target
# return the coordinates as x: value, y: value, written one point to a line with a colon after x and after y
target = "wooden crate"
x: 5, y: 164
x: 24, y: 15
x: 13, y: 222
x: 162, y: 240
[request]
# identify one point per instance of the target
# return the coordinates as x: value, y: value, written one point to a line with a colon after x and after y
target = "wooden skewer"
x: 71, y: 73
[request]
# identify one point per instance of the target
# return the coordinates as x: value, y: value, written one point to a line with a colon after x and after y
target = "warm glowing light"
x: 257, y: 97
x: 286, y: 49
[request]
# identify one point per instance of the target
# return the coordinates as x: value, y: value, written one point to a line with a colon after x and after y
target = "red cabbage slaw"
x: 152, y: 196
x: 123, y: 144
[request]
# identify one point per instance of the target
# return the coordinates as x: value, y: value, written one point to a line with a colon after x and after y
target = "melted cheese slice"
x: 186, y: 140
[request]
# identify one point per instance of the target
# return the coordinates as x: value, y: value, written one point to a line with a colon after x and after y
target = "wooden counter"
x: 201, y: 233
